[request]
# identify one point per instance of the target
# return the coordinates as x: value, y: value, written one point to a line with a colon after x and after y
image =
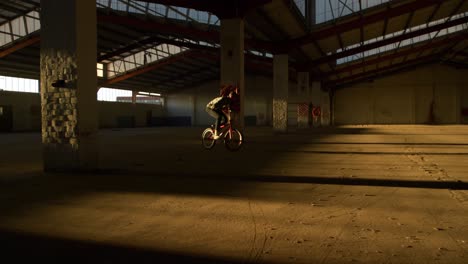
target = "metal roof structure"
x: 166, y: 46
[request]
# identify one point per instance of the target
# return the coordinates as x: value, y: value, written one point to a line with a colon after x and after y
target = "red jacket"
x: 235, y: 103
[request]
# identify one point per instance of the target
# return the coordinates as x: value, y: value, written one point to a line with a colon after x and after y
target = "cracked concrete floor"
x: 353, y: 194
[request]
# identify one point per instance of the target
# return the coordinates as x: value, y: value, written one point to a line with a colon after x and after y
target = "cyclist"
x: 217, y: 107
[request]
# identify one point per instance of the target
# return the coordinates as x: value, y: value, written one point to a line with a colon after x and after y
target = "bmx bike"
x: 233, y: 138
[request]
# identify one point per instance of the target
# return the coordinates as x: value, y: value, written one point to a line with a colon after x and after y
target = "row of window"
x: 104, y: 94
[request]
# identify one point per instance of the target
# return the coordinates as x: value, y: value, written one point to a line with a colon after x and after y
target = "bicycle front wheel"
x: 208, y: 140
x: 233, y: 141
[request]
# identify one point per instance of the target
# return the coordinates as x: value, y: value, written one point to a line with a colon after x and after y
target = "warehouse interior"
x: 354, y: 118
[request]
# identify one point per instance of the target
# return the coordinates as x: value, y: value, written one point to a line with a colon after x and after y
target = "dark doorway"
x: 149, y: 118
x: 125, y: 121
x: 6, y: 118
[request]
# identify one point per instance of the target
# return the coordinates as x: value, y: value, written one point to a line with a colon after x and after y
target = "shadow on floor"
x: 21, y: 195
x: 19, y: 247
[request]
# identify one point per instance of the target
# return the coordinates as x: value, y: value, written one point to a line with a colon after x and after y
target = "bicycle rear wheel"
x: 208, y: 140
x: 234, y: 140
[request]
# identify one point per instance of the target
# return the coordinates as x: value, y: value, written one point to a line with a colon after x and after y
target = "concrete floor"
x: 354, y: 194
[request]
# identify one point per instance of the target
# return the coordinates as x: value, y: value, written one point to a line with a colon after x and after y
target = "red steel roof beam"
x: 150, y: 67
x: 203, y: 5
x: 20, y: 45
x: 222, y: 9
x: 251, y: 62
x: 166, y: 28
x: 128, y: 48
x: 185, y: 32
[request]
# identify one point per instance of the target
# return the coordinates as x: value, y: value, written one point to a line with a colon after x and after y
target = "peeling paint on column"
x: 280, y: 117
x: 59, y: 114
x: 280, y: 93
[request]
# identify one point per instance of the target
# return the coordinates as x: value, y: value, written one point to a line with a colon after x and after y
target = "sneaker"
x: 215, y: 135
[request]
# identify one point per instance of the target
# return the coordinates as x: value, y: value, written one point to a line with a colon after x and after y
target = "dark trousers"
x: 218, y: 114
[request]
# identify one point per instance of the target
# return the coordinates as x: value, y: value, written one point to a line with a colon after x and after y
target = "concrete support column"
x: 321, y: 99
x: 303, y: 88
x: 280, y: 93
x: 193, y: 101
x: 68, y: 85
x: 232, y: 61
x: 304, y: 94
x: 134, y: 96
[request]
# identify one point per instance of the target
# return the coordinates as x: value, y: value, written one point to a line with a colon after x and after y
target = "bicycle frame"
x: 222, y: 128
x: 226, y: 132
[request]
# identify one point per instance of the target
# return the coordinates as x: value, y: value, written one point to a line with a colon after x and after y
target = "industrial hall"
x: 234, y: 131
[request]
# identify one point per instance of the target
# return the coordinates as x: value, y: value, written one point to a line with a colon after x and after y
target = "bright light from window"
x: 105, y: 94
x: 110, y: 94
x: 149, y: 94
x: 100, y: 70
x: 19, y: 84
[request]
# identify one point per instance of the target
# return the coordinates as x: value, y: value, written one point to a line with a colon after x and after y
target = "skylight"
x: 19, y: 27
x: 406, y: 42
x: 327, y: 10
x: 168, y: 11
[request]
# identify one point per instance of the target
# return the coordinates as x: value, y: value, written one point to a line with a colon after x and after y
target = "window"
x: 110, y: 94
x: 100, y: 70
x: 19, y: 84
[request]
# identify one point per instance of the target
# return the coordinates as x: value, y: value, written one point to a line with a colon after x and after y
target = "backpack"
x: 218, y: 102
x: 213, y: 102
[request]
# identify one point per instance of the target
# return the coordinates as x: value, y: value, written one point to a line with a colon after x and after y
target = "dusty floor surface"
x: 357, y: 194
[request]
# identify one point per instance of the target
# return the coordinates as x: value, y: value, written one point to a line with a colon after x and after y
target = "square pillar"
x: 303, y: 88
x: 304, y: 94
x: 69, y: 85
x: 280, y: 93
x: 134, y: 96
x: 232, y: 61
x: 321, y: 99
